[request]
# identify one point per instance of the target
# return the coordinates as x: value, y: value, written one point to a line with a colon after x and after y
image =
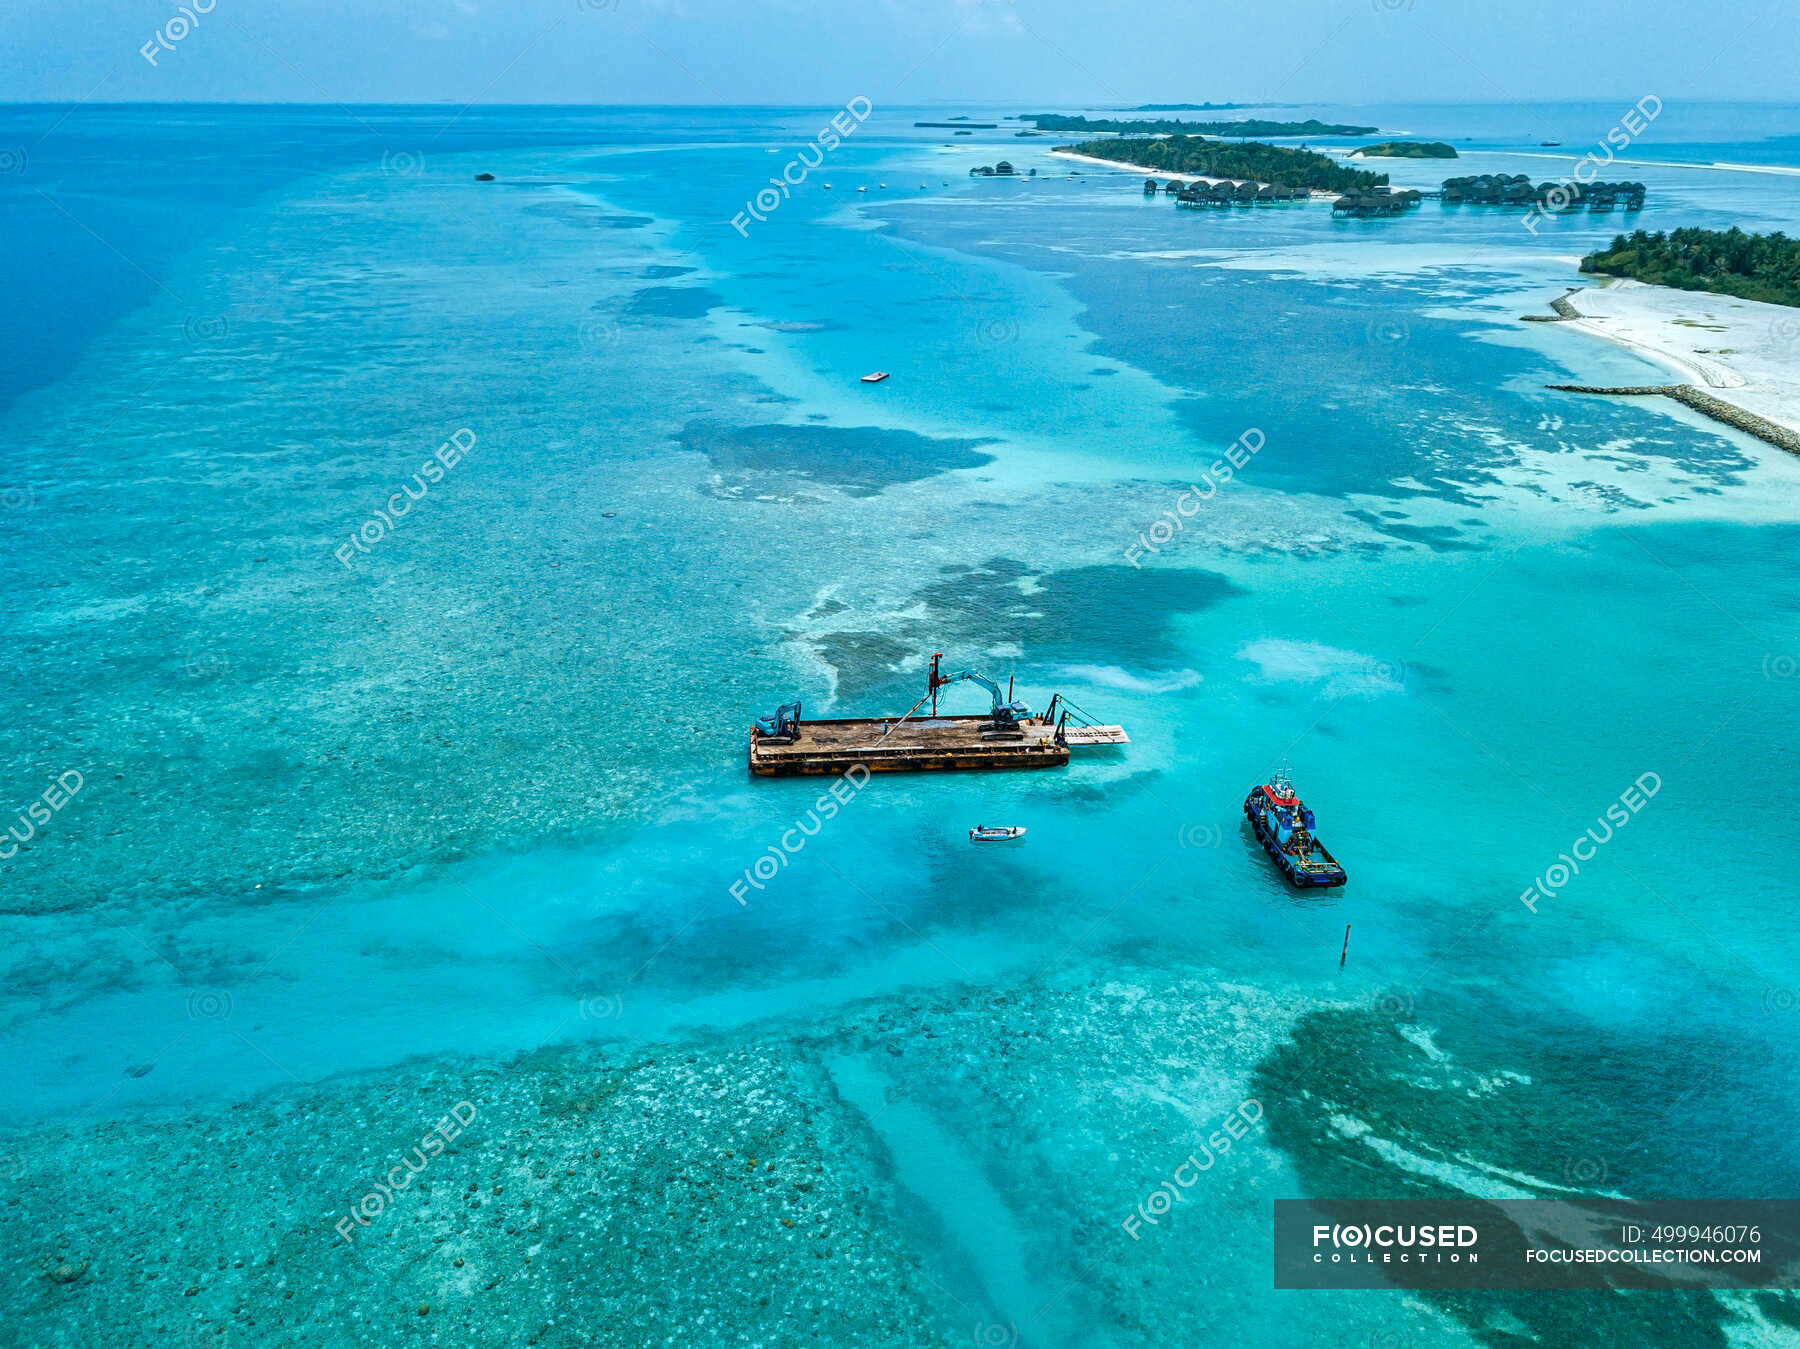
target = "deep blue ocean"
x: 369, y: 797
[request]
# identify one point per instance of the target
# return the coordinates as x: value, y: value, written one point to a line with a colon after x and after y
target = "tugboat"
x: 1284, y: 826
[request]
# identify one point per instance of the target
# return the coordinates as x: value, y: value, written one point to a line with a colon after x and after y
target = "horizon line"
x: 1108, y: 106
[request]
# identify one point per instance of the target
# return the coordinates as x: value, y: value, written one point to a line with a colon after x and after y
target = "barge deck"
x: 910, y: 745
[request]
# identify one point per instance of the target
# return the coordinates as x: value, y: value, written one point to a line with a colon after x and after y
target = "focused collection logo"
x: 1390, y: 1243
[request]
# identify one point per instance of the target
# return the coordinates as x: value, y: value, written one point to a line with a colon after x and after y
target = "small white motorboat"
x: 996, y: 833
x: 874, y: 377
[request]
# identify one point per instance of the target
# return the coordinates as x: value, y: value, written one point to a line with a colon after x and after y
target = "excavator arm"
x: 1006, y: 713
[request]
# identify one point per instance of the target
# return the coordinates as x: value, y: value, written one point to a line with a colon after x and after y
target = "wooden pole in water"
x: 1345, y: 953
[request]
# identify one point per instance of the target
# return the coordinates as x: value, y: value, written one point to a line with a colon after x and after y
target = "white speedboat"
x: 996, y: 833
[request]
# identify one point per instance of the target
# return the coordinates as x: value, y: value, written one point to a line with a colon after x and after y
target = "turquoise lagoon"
x: 459, y: 819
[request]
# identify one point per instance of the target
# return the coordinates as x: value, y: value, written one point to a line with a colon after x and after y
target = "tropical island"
x: 1163, y: 126
x: 1762, y: 267
x: 1407, y: 150
x: 1715, y: 307
x: 1195, y: 157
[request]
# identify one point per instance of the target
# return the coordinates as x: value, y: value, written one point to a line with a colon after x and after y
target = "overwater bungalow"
x: 1003, y: 169
x: 1149, y: 187
x: 1375, y: 201
x: 1245, y: 195
x: 1487, y: 189
x: 1518, y: 190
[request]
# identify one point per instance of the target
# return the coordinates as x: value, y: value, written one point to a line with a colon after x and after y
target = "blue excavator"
x: 784, y: 725
x: 1007, y: 713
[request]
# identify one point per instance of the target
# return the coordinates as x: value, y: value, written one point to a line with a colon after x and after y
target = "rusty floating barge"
x: 1010, y: 736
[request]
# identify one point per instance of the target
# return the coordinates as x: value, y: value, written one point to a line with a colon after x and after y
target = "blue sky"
x: 1050, y: 52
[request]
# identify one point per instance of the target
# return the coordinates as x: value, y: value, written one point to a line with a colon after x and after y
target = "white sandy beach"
x: 1742, y: 352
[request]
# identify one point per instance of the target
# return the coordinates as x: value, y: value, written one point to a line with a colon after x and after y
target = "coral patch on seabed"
x: 694, y: 1198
